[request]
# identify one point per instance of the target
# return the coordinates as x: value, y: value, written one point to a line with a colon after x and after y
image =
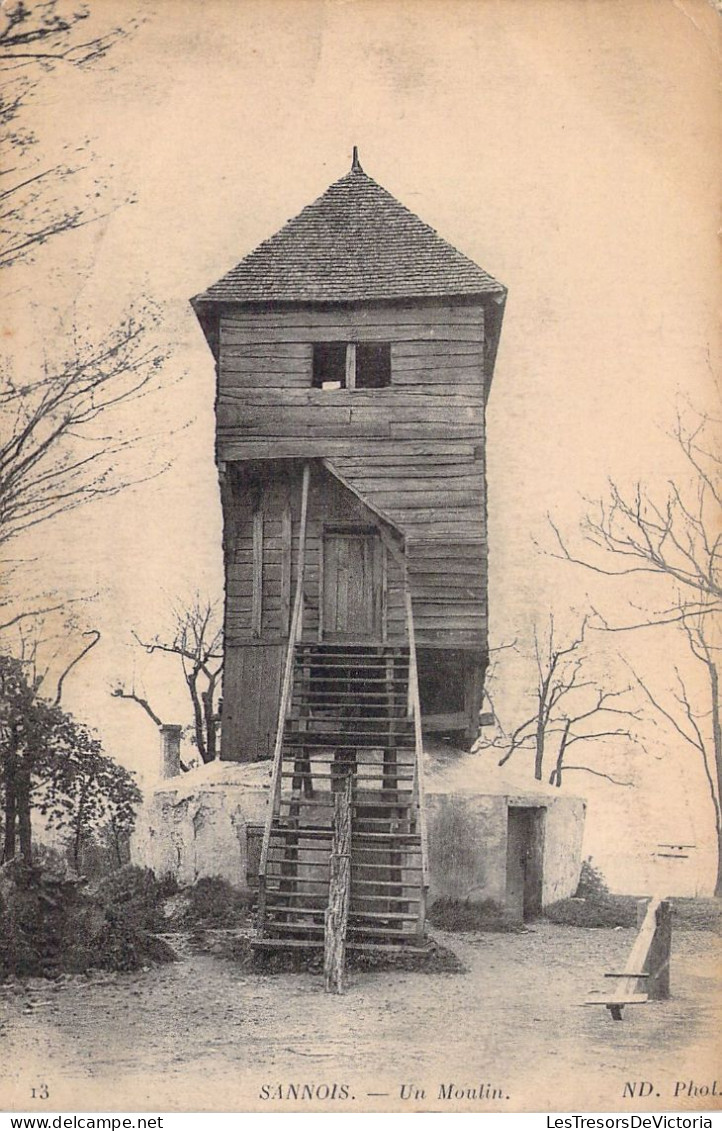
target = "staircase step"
x: 367, y: 927
x: 293, y: 909
x: 396, y: 884
x: 381, y: 825
x: 348, y: 659
x: 386, y: 899
x: 313, y: 694
x: 325, y: 799
x: 413, y: 838
x: 352, y: 671
x: 399, y: 864
x: 394, y: 820
x: 354, y: 913
x: 356, y: 864
x: 317, y: 944
x: 381, y: 804
x: 372, y: 652
x: 338, y: 765
x: 386, y: 683
x: 317, y: 881
x: 378, y: 662
x: 398, y: 722
x: 391, y: 932
x: 307, y: 834
x: 334, y: 740
x: 392, y: 916
x: 319, y: 803
x: 327, y: 775
x: 314, y: 731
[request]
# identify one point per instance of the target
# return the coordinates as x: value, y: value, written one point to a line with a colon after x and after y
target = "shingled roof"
x: 355, y: 242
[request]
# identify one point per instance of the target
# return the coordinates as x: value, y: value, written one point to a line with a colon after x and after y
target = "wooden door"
x: 352, y: 585
x: 524, y: 848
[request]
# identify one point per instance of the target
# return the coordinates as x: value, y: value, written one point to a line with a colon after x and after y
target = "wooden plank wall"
x: 415, y: 450
x: 449, y: 592
x: 330, y: 503
x: 251, y: 690
x: 262, y: 516
x: 262, y: 519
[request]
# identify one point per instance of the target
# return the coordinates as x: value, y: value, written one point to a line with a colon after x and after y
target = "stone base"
x: 196, y: 824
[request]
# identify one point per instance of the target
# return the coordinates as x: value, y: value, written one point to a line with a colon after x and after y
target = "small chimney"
x: 356, y: 164
x: 170, y: 739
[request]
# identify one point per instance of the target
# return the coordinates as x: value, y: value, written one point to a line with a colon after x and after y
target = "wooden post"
x: 351, y: 365
x: 286, y: 556
x: 656, y: 963
x: 257, y: 602
x: 339, y: 890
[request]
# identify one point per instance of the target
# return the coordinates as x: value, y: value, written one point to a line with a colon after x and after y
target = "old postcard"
x: 360, y: 508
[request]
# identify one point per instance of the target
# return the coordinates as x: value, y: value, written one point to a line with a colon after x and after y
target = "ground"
x: 208, y: 1034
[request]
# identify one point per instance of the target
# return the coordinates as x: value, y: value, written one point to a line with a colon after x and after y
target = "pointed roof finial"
x: 356, y: 164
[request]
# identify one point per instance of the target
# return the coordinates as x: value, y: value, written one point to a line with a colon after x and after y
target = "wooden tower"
x: 354, y: 353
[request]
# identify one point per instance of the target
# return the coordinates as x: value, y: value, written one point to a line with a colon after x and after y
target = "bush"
x: 698, y: 914
x: 592, y: 884
x: 617, y: 911
x: 53, y: 925
x: 47, y: 923
x: 213, y: 902
x: 118, y: 946
x: 101, y: 855
x: 593, y: 905
x: 51, y: 863
x: 134, y: 896
x: 462, y: 915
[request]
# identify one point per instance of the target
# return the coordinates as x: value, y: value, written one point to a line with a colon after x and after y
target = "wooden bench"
x: 646, y: 973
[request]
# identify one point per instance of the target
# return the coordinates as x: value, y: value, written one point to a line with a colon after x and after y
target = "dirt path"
x: 205, y: 1034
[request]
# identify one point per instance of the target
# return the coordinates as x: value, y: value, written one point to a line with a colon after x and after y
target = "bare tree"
x: 677, y: 540
x: 61, y: 434
x: 569, y: 707
x: 691, y: 720
x: 60, y: 438
x: 197, y: 641
x: 37, y: 37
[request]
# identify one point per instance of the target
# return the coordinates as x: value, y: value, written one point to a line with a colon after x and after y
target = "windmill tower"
x: 354, y: 352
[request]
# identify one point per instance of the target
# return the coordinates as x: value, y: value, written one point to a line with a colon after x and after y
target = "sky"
x: 571, y: 147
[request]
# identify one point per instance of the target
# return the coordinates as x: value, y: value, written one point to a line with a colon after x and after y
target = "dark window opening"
x: 441, y: 682
x: 329, y: 365
x: 352, y: 365
x: 373, y: 365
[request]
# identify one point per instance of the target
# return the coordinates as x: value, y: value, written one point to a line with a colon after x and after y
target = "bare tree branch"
x: 64, y: 674
x: 598, y: 774
x: 52, y: 459
x: 36, y: 38
x: 121, y: 693
x: 197, y: 641
x: 567, y: 700
x: 676, y: 537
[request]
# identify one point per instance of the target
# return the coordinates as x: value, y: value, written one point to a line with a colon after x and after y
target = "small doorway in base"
x: 524, y: 861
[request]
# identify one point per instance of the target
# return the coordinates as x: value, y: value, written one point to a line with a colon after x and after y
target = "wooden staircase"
x: 349, y: 713
x: 344, y: 859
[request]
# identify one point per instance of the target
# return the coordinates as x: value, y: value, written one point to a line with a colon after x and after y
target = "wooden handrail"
x: 286, y: 688
x: 415, y: 711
